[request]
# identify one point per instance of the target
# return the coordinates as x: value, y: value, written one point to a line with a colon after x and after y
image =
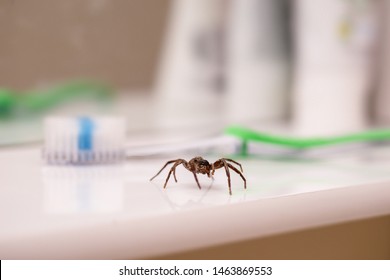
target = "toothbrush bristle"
x: 84, y: 140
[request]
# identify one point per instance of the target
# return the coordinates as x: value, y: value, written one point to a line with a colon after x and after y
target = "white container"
x: 335, y: 42
x: 382, y: 99
x: 190, y: 78
x: 257, y: 75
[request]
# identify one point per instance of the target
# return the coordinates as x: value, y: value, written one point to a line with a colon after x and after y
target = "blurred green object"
x: 248, y: 135
x: 20, y: 103
x: 8, y: 100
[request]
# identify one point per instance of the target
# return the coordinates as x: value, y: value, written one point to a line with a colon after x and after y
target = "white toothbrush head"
x: 84, y: 140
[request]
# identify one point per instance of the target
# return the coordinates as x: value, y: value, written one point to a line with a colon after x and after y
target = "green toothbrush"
x: 247, y: 135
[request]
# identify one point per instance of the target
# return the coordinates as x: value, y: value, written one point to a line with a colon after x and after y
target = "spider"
x: 199, y: 165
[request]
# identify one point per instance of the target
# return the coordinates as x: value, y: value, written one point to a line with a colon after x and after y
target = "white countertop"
x: 105, y: 212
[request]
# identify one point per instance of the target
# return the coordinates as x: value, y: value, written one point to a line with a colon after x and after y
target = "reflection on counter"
x: 70, y: 189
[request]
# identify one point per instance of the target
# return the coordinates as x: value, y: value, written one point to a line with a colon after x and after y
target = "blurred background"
x: 180, y: 70
x: 53, y: 41
x: 320, y: 67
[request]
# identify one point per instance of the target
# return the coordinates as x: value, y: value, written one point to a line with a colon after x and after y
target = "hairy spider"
x: 199, y: 165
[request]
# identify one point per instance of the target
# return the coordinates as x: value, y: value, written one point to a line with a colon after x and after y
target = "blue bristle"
x: 85, y: 137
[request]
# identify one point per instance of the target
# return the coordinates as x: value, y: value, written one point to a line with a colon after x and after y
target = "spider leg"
x: 239, y: 173
x: 239, y: 164
x: 227, y: 174
x: 196, y: 179
x: 174, y: 174
x: 178, y: 162
x: 168, y: 162
x: 182, y: 161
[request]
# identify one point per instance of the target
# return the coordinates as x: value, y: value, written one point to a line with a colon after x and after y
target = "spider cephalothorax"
x: 199, y: 165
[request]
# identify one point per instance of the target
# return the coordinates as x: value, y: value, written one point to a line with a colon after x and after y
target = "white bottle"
x: 335, y: 43
x: 382, y: 98
x: 257, y: 73
x: 190, y: 78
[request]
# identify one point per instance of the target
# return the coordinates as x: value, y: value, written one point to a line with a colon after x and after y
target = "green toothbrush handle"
x: 246, y: 134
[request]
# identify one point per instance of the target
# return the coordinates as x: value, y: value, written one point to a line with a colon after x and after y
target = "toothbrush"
x: 88, y: 140
x: 247, y: 135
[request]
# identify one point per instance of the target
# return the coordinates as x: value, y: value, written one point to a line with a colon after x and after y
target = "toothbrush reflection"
x: 83, y: 189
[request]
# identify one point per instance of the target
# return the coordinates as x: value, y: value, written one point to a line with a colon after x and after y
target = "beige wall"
x: 44, y: 41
